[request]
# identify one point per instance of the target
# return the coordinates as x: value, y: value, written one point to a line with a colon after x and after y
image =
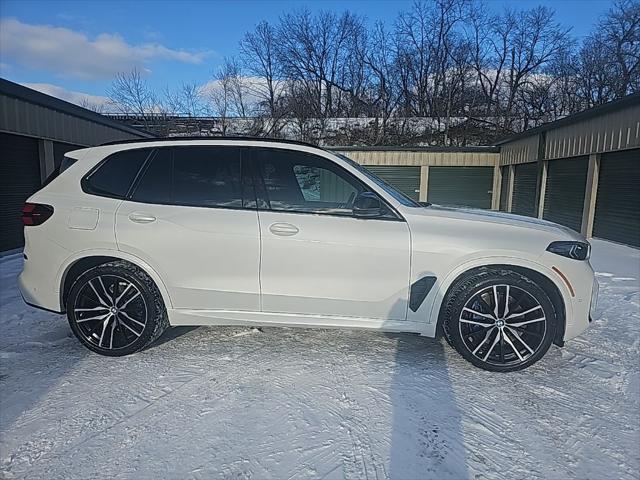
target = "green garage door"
x: 617, y: 215
x: 19, y: 178
x: 405, y: 179
x: 524, y: 189
x: 460, y: 186
x: 564, y: 195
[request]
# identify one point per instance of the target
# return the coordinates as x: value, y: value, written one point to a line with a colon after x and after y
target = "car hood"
x: 494, y: 217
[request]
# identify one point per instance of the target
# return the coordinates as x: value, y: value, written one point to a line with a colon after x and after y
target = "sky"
x: 73, y: 49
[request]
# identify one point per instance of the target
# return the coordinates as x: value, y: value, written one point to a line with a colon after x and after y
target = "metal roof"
x: 29, y: 95
x: 619, y: 104
x: 211, y: 138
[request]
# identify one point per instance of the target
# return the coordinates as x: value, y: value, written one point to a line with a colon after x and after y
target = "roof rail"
x: 236, y: 138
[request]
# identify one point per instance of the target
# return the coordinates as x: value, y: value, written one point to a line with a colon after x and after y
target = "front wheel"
x: 116, y: 309
x: 499, y: 320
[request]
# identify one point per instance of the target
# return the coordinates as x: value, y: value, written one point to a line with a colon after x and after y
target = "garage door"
x: 617, y: 215
x: 524, y: 189
x: 405, y: 179
x: 461, y: 186
x: 19, y: 178
x: 564, y: 195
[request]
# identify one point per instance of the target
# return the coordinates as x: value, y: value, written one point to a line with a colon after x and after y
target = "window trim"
x: 263, y: 203
x: 245, y: 172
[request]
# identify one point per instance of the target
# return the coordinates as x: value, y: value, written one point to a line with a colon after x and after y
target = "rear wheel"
x: 499, y: 320
x: 116, y: 309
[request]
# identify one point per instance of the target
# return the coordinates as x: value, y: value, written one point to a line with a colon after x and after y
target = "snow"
x: 284, y: 403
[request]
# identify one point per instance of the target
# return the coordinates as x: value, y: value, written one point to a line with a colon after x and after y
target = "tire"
x: 116, y: 309
x: 513, y: 339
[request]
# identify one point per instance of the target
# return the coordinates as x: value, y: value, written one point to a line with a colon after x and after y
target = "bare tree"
x: 131, y: 94
x: 93, y: 106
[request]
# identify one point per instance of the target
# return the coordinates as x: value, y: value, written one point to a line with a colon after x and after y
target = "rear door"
x: 192, y: 217
x: 317, y: 258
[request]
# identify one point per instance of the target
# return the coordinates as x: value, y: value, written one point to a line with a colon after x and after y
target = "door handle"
x: 283, y: 229
x: 141, y: 218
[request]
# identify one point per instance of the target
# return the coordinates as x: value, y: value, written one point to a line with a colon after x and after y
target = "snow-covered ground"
x: 235, y: 403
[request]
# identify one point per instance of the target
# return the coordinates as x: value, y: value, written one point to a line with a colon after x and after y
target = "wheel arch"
x: 76, y: 265
x: 535, y: 272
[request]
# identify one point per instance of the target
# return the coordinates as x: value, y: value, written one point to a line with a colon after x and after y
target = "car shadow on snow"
x: 426, y: 439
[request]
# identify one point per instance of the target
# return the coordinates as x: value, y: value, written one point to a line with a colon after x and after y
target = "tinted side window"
x: 114, y: 177
x: 207, y: 176
x: 297, y: 181
x: 193, y: 176
x: 155, y: 183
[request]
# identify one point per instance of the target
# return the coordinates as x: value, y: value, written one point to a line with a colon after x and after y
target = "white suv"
x: 134, y: 237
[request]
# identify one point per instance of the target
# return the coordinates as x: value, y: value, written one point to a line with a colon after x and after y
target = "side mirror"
x: 367, y: 205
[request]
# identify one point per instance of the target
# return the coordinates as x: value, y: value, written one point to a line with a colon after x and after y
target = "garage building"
x: 459, y: 176
x: 582, y: 171
x: 36, y: 130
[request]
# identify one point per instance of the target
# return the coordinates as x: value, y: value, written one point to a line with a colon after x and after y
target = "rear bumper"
x: 36, y: 290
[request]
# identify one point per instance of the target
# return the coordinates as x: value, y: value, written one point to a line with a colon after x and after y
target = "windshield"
x: 398, y: 195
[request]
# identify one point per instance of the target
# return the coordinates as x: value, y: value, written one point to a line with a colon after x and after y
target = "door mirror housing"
x: 367, y: 205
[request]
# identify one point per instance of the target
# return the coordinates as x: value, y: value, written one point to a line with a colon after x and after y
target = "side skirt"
x: 182, y: 317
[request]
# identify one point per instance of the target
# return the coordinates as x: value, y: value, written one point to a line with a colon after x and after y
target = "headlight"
x: 575, y: 250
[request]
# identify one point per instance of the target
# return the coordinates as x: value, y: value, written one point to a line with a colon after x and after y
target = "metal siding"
x: 405, y: 179
x: 565, y: 190
x: 520, y: 151
x: 418, y: 158
x: 617, y: 215
x: 27, y: 119
x: 461, y: 186
x: 618, y: 130
x: 524, y: 189
x: 19, y: 179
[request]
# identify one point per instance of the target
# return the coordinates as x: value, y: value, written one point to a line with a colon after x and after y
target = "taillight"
x: 36, y: 213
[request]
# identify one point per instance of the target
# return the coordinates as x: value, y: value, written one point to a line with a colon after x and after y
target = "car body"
x: 296, y: 236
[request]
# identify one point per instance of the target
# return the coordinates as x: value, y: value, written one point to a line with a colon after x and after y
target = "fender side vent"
x: 419, y: 291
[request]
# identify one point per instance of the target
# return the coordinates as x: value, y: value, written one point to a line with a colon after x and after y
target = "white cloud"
x: 79, y: 98
x: 68, y: 53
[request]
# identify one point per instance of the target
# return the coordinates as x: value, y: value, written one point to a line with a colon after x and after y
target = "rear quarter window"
x: 113, y: 176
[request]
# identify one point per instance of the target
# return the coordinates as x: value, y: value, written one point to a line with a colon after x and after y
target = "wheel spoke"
x: 126, y: 315
x: 495, y: 302
x: 506, y: 303
x: 508, y: 340
x: 113, y: 327
x: 104, y: 329
x: 95, y: 309
x: 514, y: 315
x: 517, y: 335
x: 130, y: 329
x: 473, y: 322
x: 99, y: 317
x: 495, y: 341
x: 102, y: 302
x: 129, y: 301
x: 483, y: 315
x: 117, y: 300
x: 519, y: 324
x: 106, y: 292
x: 486, y: 337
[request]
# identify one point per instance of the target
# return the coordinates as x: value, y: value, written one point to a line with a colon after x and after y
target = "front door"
x: 317, y: 258
x: 193, y: 219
